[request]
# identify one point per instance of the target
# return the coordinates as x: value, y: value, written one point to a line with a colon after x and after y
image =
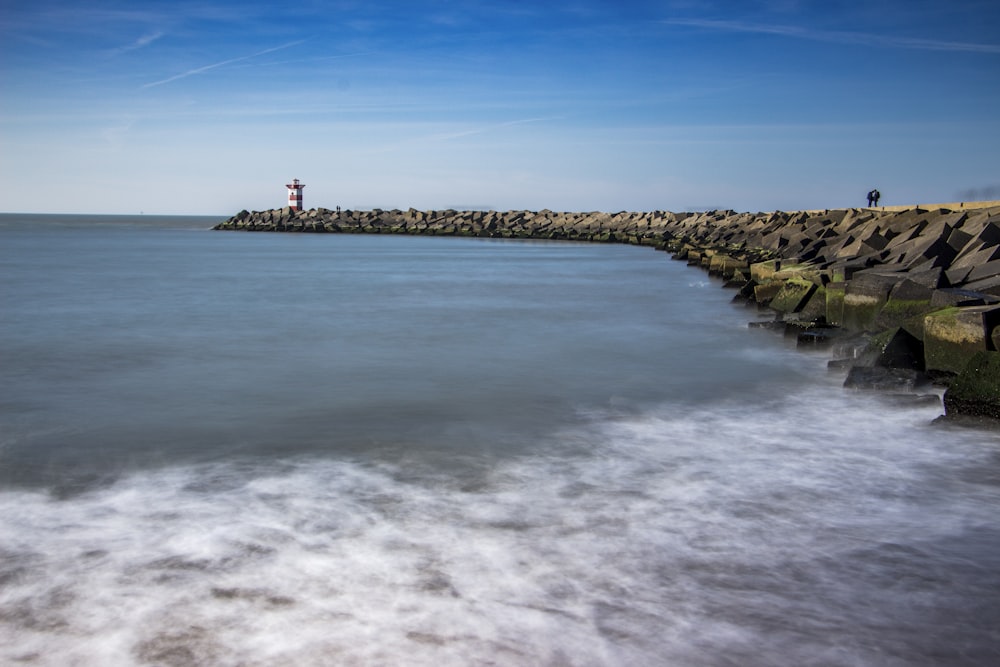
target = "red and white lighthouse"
x: 295, y: 194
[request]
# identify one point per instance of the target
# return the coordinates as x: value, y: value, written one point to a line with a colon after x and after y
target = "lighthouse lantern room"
x: 295, y: 194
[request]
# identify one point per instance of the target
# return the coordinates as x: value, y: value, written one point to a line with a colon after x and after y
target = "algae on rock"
x: 976, y: 390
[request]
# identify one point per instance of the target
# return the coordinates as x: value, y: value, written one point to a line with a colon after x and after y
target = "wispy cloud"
x: 317, y: 59
x: 206, y: 68
x: 840, y: 37
x: 441, y: 137
x: 483, y: 129
x: 145, y: 40
x: 114, y: 136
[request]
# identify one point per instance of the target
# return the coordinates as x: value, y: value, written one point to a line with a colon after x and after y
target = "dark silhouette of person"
x: 875, y: 196
x: 871, y: 197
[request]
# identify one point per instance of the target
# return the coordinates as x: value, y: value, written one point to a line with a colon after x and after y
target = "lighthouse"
x: 295, y: 194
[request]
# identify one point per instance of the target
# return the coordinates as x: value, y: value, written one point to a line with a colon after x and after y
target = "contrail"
x: 199, y: 70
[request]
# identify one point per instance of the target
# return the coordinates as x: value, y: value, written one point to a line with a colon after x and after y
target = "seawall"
x: 902, y: 296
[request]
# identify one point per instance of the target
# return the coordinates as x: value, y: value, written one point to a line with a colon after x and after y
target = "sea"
x: 229, y: 448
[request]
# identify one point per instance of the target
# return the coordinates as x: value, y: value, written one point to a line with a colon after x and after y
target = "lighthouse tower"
x: 295, y: 194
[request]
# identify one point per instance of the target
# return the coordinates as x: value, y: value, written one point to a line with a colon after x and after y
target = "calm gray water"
x: 255, y: 449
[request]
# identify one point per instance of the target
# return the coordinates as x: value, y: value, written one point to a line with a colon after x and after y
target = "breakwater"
x: 902, y: 297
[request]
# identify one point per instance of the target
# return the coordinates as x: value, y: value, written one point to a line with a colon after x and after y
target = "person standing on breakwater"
x: 871, y: 197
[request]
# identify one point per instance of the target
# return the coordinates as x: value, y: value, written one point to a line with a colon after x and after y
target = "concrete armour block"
x: 975, y: 392
x: 765, y: 293
x: 953, y: 296
x: 792, y: 296
x: 958, y: 239
x: 986, y: 270
x: 953, y: 335
x: 989, y: 286
x: 990, y: 233
x: 904, y: 350
x: 866, y: 294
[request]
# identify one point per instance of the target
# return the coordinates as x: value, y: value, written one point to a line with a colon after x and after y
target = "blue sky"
x: 209, y: 107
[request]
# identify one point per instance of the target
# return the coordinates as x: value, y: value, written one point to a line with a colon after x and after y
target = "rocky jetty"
x: 603, y: 227
x: 902, y: 297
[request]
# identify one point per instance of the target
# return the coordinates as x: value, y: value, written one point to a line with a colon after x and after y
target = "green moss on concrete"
x: 726, y: 265
x: 946, y: 315
x: 952, y: 336
x: 765, y: 293
x: 801, y: 272
x: 976, y: 390
x: 896, y: 312
x: 861, y: 312
x: 792, y: 295
x: 761, y: 272
x: 814, y: 308
x: 878, y: 342
x: 835, y: 303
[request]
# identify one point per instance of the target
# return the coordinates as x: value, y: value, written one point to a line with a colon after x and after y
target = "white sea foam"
x: 808, y: 530
x: 238, y: 450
